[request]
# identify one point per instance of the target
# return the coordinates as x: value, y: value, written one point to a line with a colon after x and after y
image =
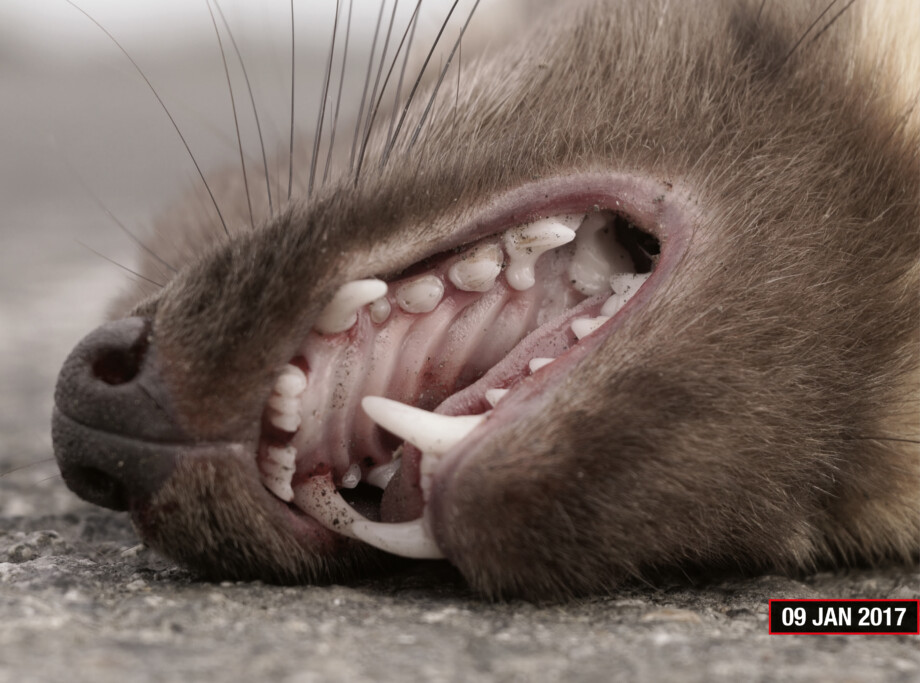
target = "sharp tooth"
x: 292, y: 382
x: 319, y: 499
x: 624, y: 286
x: 598, y: 256
x: 421, y: 295
x: 380, y: 310
x: 537, y: 363
x: 477, y: 269
x: 526, y: 243
x: 582, y: 327
x: 342, y: 312
x: 381, y: 475
x: 287, y: 422
x: 493, y: 396
x: 429, y: 432
x: 276, y: 471
x: 352, y: 477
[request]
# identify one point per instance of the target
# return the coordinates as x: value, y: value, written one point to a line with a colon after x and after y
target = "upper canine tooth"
x: 429, y: 432
x: 493, y: 396
x: 342, y: 312
x: 526, y: 243
x: 582, y: 327
x: 477, y: 270
x: 537, y: 363
x: 421, y: 295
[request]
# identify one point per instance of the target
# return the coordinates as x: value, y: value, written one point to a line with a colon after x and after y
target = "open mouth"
x: 399, y: 372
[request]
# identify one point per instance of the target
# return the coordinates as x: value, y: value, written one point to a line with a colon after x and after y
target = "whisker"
x: 322, y: 104
x: 164, y: 107
x: 338, y: 99
x: 831, y: 22
x: 291, y: 151
x: 28, y: 465
x: 805, y: 34
x: 367, y: 82
x: 437, y: 87
x: 120, y: 265
x: 402, y: 72
x: 252, y: 100
x: 236, y: 121
x: 389, y: 148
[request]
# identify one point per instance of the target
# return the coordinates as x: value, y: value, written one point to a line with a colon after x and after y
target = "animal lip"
x: 457, y: 333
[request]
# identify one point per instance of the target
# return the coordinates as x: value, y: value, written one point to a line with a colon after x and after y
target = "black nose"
x: 115, y: 431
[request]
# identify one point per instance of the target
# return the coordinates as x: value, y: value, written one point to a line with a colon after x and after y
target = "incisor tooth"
x: 493, y: 396
x: 582, y: 327
x: 421, y: 295
x: 342, y: 312
x: 429, y: 432
x: 537, y: 363
x: 526, y: 243
x: 292, y: 382
x: 477, y: 269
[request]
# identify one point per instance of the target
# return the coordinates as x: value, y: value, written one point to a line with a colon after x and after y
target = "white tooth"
x: 582, y: 327
x: 381, y: 475
x: 288, y: 422
x: 283, y: 457
x: 526, y: 243
x: 477, y: 269
x: 342, y: 312
x: 278, y: 486
x: 352, y: 477
x: 537, y: 363
x: 429, y: 432
x: 421, y: 295
x: 292, y: 382
x: 624, y: 286
x: 493, y: 396
x: 597, y: 256
x: 319, y: 499
x: 380, y: 309
x: 283, y: 404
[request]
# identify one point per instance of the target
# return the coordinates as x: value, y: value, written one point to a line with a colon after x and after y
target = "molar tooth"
x: 493, y: 396
x: 284, y: 405
x: 287, y: 422
x: 421, y: 295
x: 429, y: 432
x: 598, y: 256
x: 624, y: 286
x: 526, y: 243
x: 284, y: 456
x: 477, y: 269
x: 582, y: 327
x: 537, y: 363
x: 292, y: 382
x: 276, y: 471
x: 380, y: 309
x: 319, y: 499
x: 352, y: 477
x: 342, y: 312
x: 381, y: 475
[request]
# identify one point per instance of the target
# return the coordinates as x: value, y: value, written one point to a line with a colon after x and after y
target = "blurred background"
x: 82, y: 137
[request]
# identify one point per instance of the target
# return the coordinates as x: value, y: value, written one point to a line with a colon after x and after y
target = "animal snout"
x: 116, y: 437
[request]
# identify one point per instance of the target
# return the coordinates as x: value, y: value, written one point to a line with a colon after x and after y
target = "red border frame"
x: 840, y: 633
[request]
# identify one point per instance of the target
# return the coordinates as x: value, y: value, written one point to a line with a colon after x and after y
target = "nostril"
x: 97, y: 487
x: 120, y: 366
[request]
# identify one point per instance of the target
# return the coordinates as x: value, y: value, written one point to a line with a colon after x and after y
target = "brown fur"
x: 760, y: 412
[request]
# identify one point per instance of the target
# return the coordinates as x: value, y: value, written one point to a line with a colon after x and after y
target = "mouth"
x: 401, y: 373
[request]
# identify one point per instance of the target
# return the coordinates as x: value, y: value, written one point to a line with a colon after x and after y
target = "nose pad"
x: 115, y: 430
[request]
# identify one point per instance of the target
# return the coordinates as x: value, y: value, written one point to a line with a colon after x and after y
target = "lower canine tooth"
x: 421, y: 295
x: 493, y: 396
x: 537, y: 363
x: 582, y: 327
x: 319, y: 499
x: 342, y: 312
x: 477, y: 270
x: 526, y: 243
x: 429, y: 432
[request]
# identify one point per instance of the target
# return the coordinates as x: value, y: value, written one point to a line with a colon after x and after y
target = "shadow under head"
x: 641, y: 294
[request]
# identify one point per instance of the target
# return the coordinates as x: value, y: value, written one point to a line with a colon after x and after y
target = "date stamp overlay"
x: 843, y: 617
